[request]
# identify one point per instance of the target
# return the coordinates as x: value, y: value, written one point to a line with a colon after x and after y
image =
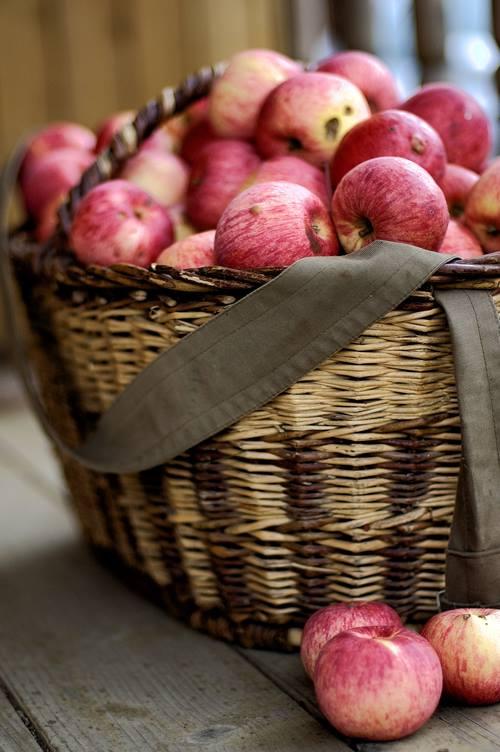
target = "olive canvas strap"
x: 473, y: 559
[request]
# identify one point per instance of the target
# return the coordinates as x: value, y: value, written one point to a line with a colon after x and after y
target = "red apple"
x: 331, y: 620
x: 467, y: 641
x: 162, y: 174
x: 368, y: 73
x: 119, y: 223
x: 56, y: 136
x: 458, y: 118
x: 238, y: 94
x: 218, y: 174
x: 460, y: 241
x: 456, y: 184
x: 51, y: 175
x: 292, y: 170
x: 482, y: 210
x: 378, y: 683
x: 196, y: 139
x: 191, y: 252
x: 273, y: 224
x: 389, y: 198
x: 308, y: 115
x: 392, y: 133
x: 160, y: 140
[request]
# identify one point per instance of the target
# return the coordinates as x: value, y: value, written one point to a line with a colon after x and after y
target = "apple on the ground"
x: 458, y: 118
x: 238, y: 94
x: 392, y: 133
x: 191, y: 252
x: 119, y: 223
x: 273, y: 225
x: 389, y: 198
x: 162, y: 174
x: 378, y: 682
x: 368, y: 73
x: 482, y: 209
x: 331, y: 620
x: 308, y: 115
x: 216, y: 177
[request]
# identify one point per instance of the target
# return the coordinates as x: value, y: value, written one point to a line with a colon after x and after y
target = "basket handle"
x: 126, y: 142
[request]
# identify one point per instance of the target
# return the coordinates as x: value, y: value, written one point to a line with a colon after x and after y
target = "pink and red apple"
x: 467, y: 641
x: 56, y: 136
x: 460, y: 241
x: 273, y: 224
x: 368, y: 73
x: 191, y: 252
x: 392, y: 133
x: 292, y: 170
x: 308, y: 115
x: 331, y: 620
x: 196, y: 139
x: 378, y: 683
x: 458, y: 118
x: 217, y: 176
x: 119, y: 223
x: 389, y: 198
x: 482, y: 209
x: 238, y: 94
x: 162, y: 174
x: 456, y: 184
x: 160, y: 140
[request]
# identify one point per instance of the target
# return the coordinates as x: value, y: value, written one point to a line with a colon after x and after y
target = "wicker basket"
x: 340, y: 488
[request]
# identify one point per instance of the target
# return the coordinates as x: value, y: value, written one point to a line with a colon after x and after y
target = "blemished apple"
x: 162, y: 174
x: 378, y: 683
x: 308, y: 115
x: 460, y: 241
x: 389, y: 198
x: 456, y: 184
x: 392, y: 133
x: 331, y: 620
x: 119, y: 223
x: 292, y: 170
x: 51, y: 175
x: 196, y: 139
x: 237, y: 96
x: 216, y: 177
x: 482, y: 209
x: 368, y: 73
x: 59, y: 135
x: 458, y: 118
x: 191, y: 252
x: 274, y: 224
x: 467, y: 641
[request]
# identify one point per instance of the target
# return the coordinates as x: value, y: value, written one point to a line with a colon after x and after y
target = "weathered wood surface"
x: 14, y: 736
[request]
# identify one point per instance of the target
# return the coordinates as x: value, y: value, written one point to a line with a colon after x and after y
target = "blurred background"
x: 84, y: 59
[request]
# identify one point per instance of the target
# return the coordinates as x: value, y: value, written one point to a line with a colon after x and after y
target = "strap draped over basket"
x: 262, y: 344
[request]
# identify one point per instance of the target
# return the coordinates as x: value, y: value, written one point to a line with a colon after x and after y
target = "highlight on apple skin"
x: 378, y: 683
x: 337, y: 617
x: 308, y: 115
x: 119, y: 223
x: 368, y: 73
x: 389, y: 198
x: 467, y: 641
x: 273, y: 225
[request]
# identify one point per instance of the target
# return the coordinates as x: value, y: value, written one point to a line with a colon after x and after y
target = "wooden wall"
x: 82, y: 59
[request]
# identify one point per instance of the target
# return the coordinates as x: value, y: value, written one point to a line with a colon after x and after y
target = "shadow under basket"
x: 340, y: 488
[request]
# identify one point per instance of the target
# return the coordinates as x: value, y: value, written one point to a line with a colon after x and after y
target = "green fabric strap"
x: 473, y: 560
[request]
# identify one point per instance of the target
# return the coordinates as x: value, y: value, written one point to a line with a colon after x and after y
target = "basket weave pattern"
x: 342, y: 487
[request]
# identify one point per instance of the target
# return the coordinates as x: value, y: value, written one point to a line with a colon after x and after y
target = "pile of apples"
x: 277, y: 164
x: 375, y: 679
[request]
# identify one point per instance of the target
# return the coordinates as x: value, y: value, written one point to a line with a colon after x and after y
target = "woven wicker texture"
x: 342, y: 487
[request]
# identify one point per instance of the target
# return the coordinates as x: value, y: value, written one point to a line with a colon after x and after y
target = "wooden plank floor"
x: 88, y: 666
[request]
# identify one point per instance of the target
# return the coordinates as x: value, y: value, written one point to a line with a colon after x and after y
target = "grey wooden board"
x: 451, y: 729
x: 14, y: 736
x: 98, y: 669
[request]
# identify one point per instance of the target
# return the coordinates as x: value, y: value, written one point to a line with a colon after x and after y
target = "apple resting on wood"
x: 307, y: 116
x: 389, y: 198
x: 274, y: 224
x: 368, y: 73
x: 119, y: 223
